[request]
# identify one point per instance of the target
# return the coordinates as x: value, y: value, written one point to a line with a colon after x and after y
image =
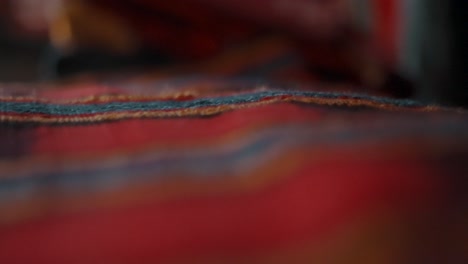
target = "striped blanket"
x: 217, y: 171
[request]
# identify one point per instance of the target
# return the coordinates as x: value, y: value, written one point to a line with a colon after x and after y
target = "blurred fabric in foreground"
x: 194, y: 170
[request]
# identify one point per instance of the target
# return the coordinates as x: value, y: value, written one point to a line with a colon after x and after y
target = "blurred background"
x: 399, y: 48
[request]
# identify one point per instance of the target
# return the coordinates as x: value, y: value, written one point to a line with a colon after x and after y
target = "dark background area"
x: 19, y: 60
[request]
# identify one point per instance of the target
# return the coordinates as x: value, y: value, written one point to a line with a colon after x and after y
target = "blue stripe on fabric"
x: 79, y: 109
x: 216, y: 163
x: 205, y: 165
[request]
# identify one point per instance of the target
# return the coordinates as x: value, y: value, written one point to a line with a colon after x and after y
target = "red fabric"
x: 304, y: 208
x: 57, y: 139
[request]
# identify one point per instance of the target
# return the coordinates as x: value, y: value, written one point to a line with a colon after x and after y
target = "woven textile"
x: 215, y: 171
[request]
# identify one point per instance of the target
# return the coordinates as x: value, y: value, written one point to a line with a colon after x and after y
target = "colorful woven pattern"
x: 228, y: 172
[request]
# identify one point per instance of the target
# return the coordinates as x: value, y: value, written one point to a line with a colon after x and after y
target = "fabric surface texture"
x: 228, y: 171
